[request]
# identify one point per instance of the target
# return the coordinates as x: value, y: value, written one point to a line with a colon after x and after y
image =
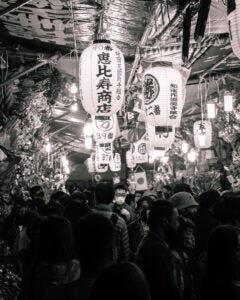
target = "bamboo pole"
x: 13, y: 7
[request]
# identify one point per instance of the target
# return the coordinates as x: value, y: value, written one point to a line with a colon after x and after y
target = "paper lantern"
x: 115, y: 162
x: 211, y: 110
x: 101, y: 78
x: 202, y: 131
x: 234, y: 25
x: 159, y: 138
x: 162, y: 94
x: 228, y: 102
x: 104, y: 128
x: 139, y: 151
x: 131, y: 163
x: 101, y: 168
x: 103, y: 153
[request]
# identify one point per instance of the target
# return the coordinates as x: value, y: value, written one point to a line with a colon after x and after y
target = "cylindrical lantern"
x: 160, y: 139
x: 103, y: 153
x: 139, y: 151
x: 228, y: 102
x: 202, y: 131
x: 162, y: 94
x: 115, y: 162
x: 104, y: 128
x: 211, y: 110
x: 131, y: 163
x: 101, y: 78
x: 234, y: 25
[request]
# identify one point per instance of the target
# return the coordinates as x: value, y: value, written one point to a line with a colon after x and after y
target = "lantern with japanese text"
x: 115, y: 162
x: 102, y: 78
x: 104, y: 128
x: 100, y: 168
x: 234, y: 25
x: 139, y: 151
x: 131, y: 163
x: 163, y: 95
x: 103, y: 153
x: 160, y: 138
x: 202, y: 131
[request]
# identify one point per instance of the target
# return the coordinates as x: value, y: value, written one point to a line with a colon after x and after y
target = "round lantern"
x: 130, y: 160
x: 162, y: 94
x: 202, y: 131
x: 234, y: 25
x: 115, y: 162
x: 104, y: 128
x: 159, y: 138
x: 139, y: 151
x: 101, y: 78
x: 103, y: 153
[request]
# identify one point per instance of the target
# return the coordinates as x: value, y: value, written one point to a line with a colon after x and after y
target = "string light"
x: 73, y: 88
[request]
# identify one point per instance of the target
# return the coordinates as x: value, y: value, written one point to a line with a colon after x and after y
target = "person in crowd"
x: 76, y: 210
x: 60, y: 197
x: 138, y: 196
x: 104, y: 194
x: 89, y: 198
x: 94, y: 241
x: 53, y: 258
x: 37, y: 198
x: 151, y: 194
x: 131, y: 201
x: 182, y: 187
x: 121, y: 281
x: 221, y: 279
x: 163, y: 270
x: 167, y: 191
x: 204, y: 219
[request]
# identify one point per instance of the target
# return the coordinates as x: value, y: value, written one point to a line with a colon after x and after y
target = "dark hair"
x: 124, y: 280
x: 37, y: 189
x: 130, y: 198
x: 104, y: 193
x: 227, y: 209
x: 160, y: 210
x: 76, y: 210
x: 182, y: 187
x: 79, y: 196
x: 209, y: 198
x: 120, y: 186
x: 55, y: 195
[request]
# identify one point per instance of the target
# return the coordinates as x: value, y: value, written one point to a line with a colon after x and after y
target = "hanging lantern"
x: 160, y: 138
x: 115, y: 162
x: 202, y: 134
x: 103, y: 153
x: 211, y: 110
x: 131, y: 163
x: 88, y: 142
x: 104, y: 128
x: 185, y: 147
x: 228, y: 102
x: 139, y: 151
x: 234, y: 25
x: 100, y: 168
x: 157, y: 152
x: 192, y: 156
x: 90, y: 163
x: 162, y: 93
x: 101, y: 78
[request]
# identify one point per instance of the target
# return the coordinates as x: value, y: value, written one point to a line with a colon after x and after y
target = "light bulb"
x: 73, y: 88
x: 211, y: 110
x: 48, y: 148
x: 185, y: 147
x: 88, y: 129
x: 74, y: 107
x: 192, y: 155
x: 67, y: 170
x: 228, y: 102
x: 88, y: 142
x: 165, y: 159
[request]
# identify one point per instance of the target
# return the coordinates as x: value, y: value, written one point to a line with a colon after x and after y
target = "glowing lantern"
x: 228, y: 102
x: 160, y: 139
x: 185, y: 147
x: 211, y: 110
x: 234, y: 25
x: 192, y: 155
x: 88, y: 142
x: 101, y: 78
x: 131, y: 163
x: 139, y: 151
x: 115, y: 162
x: 202, y: 134
x: 104, y: 128
x: 103, y: 153
x: 163, y: 97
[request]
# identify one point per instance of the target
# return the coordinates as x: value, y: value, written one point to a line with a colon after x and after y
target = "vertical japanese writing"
x: 173, y: 101
x: 119, y: 75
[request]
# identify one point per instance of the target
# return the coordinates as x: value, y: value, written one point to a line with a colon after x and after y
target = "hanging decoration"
x: 140, y: 151
x: 233, y: 12
x: 228, y: 101
x: 90, y: 163
x: 100, y: 168
x: 104, y: 153
x: 202, y: 131
x: 185, y: 147
x: 163, y: 95
x: 140, y: 179
x: 160, y: 137
x: 131, y: 163
x: 115, y: 162
x: 104, y: 128
x: 211, y: 110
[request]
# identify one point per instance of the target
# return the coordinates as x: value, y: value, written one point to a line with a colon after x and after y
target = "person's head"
x: 78, y: 196
x: 121, y: 281
x: 131, y: 200
x: 151, y: 194
x: 89, y: 198
x: 94, y: 242
x: 76, y: 210
x: 55, y: 240
x: 185, y: 203
x: 120, y: 193
x: 223, y: 254
x: 208, y: 199
x: 145, y: 203
x: 36, y: 192
x: 167, y: 190
x: 138, y: 196
x: 182, y: 187
x: 104, y: 193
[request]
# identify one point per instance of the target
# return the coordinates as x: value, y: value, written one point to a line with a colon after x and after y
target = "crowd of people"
x: 108, y: 243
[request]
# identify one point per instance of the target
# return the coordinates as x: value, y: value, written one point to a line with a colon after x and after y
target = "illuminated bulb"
x: 63, y: 158
x: 48, y: 148
x: 88, y: 129
x: 228, y: 102
x: 185, y: 147
x: 74, y: 107
x: 211, y: 110
x: 165, y: 159
x: 202, y: 139
x: 66, y: 163
x: 67, y: 170
x: 73, y: 88
x: 192, y: 155
x: 88, y: 142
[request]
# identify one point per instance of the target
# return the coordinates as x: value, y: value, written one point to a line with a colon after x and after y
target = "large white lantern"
x: 163, y: 96
x: 160, y: 139
x: 104, y: 128
x: 115, y: 162
x: 202, y: 131
x: 139, y: 151
x: 101, y: 78
x: 130, y: 161
x: 103, y: 153
x: 234, y: 25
